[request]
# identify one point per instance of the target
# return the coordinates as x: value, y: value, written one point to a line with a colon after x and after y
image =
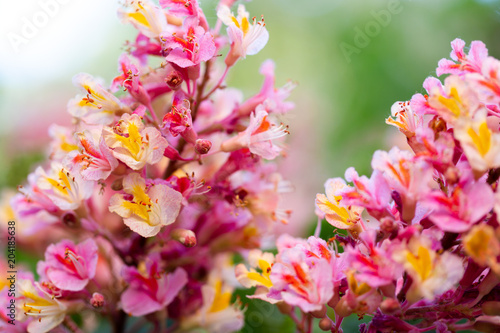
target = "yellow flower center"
x: 481, y: 244
x: 358, y: 289
x: 244, y: 26
x: 133, y: 142
x: 482, y: 139
x: 340, y: 211
x: 452, y: 103
x: 139, y: 18
x: 421, y: 263
x: 221, y: 300
x: 63, y: 184
x: 141, y: 206
x: 263, y: 278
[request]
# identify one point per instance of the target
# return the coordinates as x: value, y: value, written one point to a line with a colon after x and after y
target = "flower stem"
x: 217, y: 86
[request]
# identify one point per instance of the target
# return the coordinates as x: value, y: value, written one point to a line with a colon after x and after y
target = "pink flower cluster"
x: 160, y: 179
x: 417, y: 244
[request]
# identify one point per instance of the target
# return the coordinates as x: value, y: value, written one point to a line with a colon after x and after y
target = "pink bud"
x: 334, y: 300
x: 174, y: 80
x: 232, y: 56
x: 390, y: 306
x: 452, y: 175
x: 172, y: 153
x: 120, y: 170
x: 202, y: 146
x: 117, y: 185
x: 484, y: 326
x: 388, y: 225
x: 325, y: 324
x: 190, y: 135
x: 184, y: 236
x: 141, y: 95
x: 488, y: 283
x: 491, y: 308
x: 342, y: 308
x: 97, y: 300
x: 140, y: 111
x: 70, y: 219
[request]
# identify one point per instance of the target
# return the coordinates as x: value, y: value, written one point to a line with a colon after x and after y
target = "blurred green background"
x: 341, y: 102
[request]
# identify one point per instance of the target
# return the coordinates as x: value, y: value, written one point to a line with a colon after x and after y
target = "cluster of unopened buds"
x: 159, y: 181
x: 417, y: 244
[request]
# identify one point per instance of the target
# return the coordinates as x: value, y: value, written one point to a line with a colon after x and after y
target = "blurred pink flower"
x: 150, y: 290
x: 69, y: 266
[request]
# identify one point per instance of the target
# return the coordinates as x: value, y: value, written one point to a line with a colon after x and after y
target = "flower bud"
x: 491, y: 308
x: 70, y: 219
x: 334, y: 300
x: 488, y: 283
x: 325, y: 324
x: 174, y: 80
x: 390, y: 306
x: 117, y: 185
x: 485, y: 326
x: 97, y: 300
x: 172, y: 153
x: 202, y: 146
x: 342, y: 308
x: 120, y: 170
x: 452, y: 175
x: 190, y: 135
x: 184, y: 236
x: 387, y: 225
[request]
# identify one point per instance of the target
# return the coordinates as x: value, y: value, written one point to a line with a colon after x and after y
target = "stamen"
x: 77, y: 261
